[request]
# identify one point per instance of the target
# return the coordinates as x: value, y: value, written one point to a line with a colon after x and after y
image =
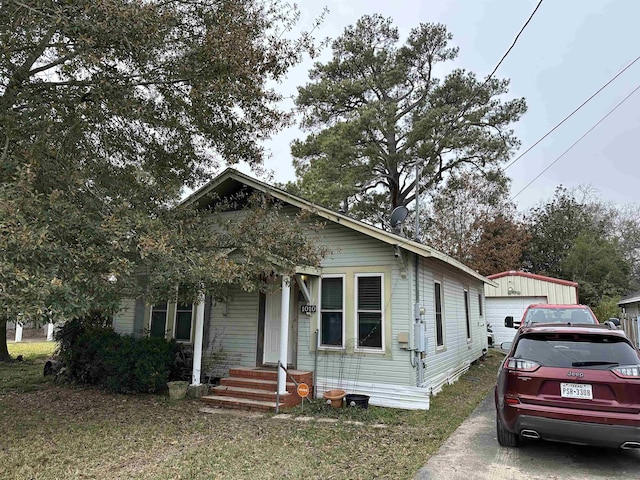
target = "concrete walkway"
x: 473, y: 453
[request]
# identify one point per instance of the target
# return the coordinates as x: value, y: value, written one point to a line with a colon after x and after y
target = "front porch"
x: 248, y: 388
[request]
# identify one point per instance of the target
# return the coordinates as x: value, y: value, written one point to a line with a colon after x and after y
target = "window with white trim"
x: 332, y: 311
x: 184, y: 322
x: 480, y: 303
x: 158, y: 320
x: 369, y: 311
x: 437, y: 304
x: 466, y: 313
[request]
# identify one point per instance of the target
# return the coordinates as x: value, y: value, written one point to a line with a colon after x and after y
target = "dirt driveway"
x: 472, y: 452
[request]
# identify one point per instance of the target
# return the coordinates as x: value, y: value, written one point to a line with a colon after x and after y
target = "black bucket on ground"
x: 355, y: 400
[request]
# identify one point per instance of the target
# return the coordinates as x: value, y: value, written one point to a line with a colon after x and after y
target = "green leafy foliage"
x: 377, y: 109
x: 598, y: 266
x: 108, y: 109
x: 578, y: 239
x: 471, y: 219
x: 96, y: 355
x: 607, y: 308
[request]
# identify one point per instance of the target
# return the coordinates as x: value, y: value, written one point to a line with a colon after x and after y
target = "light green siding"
x: 123, y: 320
x: 237, y: 330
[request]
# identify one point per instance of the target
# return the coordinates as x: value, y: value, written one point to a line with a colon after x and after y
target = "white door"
x: 500, y: 307
x: 272, y: 329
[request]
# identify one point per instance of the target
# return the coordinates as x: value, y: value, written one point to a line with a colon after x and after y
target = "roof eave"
x: 387, y: 237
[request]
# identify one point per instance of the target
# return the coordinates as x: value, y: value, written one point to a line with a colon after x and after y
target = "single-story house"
x: 514, y: 291
x: 382, y: 316
x: 630, y: 305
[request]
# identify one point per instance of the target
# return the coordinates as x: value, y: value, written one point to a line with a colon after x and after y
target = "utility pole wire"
x: 570, y: 115
x: 515, y: 40
x: 465, y: 109
x: 576, y: 142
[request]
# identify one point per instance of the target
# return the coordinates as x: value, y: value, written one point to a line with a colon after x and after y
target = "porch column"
x: 197, y: 341
x: 49, y: 329
x: 18, y: 331
x: 284, y: 333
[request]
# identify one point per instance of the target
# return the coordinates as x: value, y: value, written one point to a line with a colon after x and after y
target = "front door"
x: 272, y: 329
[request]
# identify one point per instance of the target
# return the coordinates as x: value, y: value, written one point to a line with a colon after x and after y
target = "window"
x: 567, y: 350
x: 332, y: 311
x: 158, y: 321
x: 480, y: 303
x: 184, y: 316
x: 369, y: 310
x: 466, y: 313
x: 437, y: 293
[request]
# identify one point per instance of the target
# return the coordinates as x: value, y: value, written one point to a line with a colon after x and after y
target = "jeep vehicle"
x: 570, y: 383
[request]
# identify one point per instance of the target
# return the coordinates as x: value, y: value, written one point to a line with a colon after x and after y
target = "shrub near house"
x: 96, y: 355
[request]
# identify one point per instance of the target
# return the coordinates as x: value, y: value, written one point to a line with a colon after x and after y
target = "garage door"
x: 500, y: 307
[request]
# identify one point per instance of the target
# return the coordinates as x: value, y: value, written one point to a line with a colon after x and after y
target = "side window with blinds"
x: 369, y: 311
x: 332, y: 311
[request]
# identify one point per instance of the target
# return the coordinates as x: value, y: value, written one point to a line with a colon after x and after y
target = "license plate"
x: 576, y: 390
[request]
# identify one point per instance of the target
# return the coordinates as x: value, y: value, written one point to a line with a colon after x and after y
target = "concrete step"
x: 248, y: 393
x: 240, y: 403
x: 270, y: 374
x: 256, y: 383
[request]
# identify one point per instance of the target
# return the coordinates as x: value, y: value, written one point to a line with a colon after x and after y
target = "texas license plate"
x: 576, y: 390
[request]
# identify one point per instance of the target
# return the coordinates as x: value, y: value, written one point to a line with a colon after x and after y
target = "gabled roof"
x: 518, y: 273
x: 633, y: 298
x: 231, y: 180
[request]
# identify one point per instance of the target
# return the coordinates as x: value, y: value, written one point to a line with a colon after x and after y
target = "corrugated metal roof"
x: 633, y: 298
x: 518, y: 273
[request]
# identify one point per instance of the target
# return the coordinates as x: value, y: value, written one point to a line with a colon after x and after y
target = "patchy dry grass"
x: 71, y: 433
x: 26, y: 375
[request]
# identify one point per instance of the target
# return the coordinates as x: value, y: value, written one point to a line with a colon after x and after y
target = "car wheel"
x: 505, y: 437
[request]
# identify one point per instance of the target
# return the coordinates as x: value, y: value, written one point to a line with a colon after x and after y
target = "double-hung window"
x: 332, y: 311
x: 184, y: 321
x: 369, y: 311
x: 158, y: 321
x: 437, y: 303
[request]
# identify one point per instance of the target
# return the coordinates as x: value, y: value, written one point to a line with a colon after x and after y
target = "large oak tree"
x: 108, y: 108
x: 379, y: 107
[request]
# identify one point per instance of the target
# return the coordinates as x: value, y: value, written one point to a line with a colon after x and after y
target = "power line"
x: 473, y: 97
x: 576, y: 142
x: 515, y: 40
x: 486, y: 80
x: 570, y: 115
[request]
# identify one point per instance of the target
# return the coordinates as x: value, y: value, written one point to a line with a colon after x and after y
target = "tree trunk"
x: 4, y: 351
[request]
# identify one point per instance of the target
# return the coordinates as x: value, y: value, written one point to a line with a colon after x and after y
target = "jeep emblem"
x: 575, y: 374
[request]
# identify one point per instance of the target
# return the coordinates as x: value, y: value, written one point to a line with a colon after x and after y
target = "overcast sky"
x: 569, y: 50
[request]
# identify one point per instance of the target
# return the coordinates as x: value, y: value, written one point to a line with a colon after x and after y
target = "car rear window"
x: 576, y: 350
x: 560, y: 315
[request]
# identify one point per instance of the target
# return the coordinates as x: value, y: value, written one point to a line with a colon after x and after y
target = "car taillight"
x: 627, y: 371
x: 521, y: 365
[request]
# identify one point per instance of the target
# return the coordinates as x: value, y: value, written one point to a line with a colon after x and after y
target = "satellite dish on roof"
x: 398, y: 215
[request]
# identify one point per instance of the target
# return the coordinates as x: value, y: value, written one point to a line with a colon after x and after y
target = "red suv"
x: 568, y: 383
x: 546, y: 313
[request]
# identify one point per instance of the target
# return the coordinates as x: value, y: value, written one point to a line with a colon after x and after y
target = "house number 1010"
x: 308, y: 308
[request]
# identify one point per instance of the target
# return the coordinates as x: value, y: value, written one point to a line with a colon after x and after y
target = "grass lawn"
x: 62, y: 432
